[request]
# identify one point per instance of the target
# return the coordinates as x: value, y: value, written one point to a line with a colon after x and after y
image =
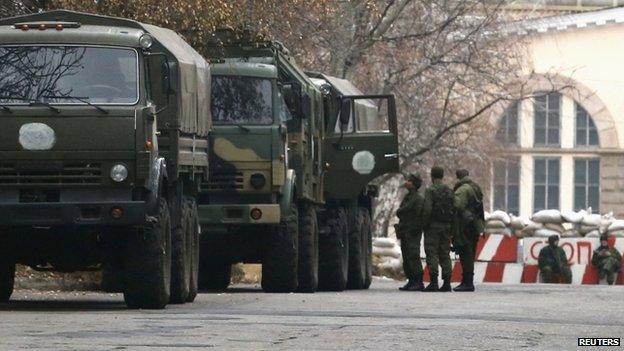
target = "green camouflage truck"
x: 103, y: 145
x: 281, y: 190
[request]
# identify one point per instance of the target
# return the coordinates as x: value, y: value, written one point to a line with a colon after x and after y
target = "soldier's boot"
x: 446, y: 286
x: 611, y: 278
x: 407, y: 286
x: 467, y: 284
x: 433, y: 284
x: 418, y: 283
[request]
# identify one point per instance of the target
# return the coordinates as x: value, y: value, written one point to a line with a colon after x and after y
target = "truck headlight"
x: 257, y: 180
x: 119, y: 173
x: 146, y: 41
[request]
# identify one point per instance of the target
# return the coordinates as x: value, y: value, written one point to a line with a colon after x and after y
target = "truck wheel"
x: 308, y: 250
x: 148, y: 263
x: 357, y: 253
x: 181, y: 259
x: 7, y: 277
x: 193, y: 234
x: 215, y: 268
x: 368, y: 248
x: 334, y: 252
x: 111, y: 278
x: 279, y: 262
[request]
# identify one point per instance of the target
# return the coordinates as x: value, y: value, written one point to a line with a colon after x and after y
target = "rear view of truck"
x: 103, y: 142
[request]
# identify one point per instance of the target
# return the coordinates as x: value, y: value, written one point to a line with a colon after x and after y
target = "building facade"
x: 564, y: 147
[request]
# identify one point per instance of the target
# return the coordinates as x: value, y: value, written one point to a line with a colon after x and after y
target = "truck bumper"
x: 239, y: 214
x: 59, y: 214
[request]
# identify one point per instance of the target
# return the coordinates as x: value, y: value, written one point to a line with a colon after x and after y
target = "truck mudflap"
x: 239, y: 214
x: 73, y: 213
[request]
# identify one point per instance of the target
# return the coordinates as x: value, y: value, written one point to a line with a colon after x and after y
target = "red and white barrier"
x: 491, y: 248
x: 578, y: 250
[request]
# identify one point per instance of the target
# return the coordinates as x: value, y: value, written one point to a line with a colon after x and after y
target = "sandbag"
x: 572, y: 233
x: 500, y: 216
x: 384, y: 242
x: 518, y: 223
x: 592, y: 220
x: 394, y: 252
x: 547, y: 216
x: 486, y: 215
x: 545, y: 233
x: 495, y: 224
x: 593, y: 234
x: 584, y: 229
x: 617, y: 225
x: 573, y: 217
x: 555, y: 227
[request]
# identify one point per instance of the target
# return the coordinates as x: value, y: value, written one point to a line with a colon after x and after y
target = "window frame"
x: 588, y: 119
x: 506, y: 184
x: 547, y: 185
x: 547, y: 126
x: 505, y: 128
x: 587, y: 185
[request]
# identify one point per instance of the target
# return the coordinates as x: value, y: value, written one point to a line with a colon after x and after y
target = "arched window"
x: 547, y: 119
x: 507, y: 132
x: 586, y: 132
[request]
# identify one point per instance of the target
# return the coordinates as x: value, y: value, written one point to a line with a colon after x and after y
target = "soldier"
x: 553, y: 263
x: 409, y: 230
x: 438, y: 218
x: 607, y: 260
x: 470, y: 223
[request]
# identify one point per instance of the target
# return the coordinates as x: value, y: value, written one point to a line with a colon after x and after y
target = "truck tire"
x: 334, y: 251
x: 193, y: 234
x: 147, y: 268
x: 7, y: 277
x: 280, y: 255
x: 357, y: 253
x: 308, y: 250
x: 112, y: 278
x: 181, y: 259
x: 215, y: 268
x: 368, y: 248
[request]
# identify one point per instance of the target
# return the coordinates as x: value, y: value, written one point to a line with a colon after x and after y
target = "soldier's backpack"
x: 443, y: 205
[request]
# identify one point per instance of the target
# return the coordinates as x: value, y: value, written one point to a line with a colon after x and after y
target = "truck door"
x: 361, y: 143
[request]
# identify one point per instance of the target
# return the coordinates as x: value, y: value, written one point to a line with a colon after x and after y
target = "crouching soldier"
x: 607, y: 260
x: 470, y: 223
x: 409, y: 230
x: 553, y: 263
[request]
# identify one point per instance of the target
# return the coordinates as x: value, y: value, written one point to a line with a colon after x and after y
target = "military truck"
x: 103, y: 145
x: 273, y: 148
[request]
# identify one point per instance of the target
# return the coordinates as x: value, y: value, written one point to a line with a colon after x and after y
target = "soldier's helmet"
x: 553, y: 239
x: 604, y: 237
x: 437, y: 172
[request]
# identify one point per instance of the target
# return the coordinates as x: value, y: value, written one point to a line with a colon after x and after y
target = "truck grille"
x: 224, y: 181
x: 50, y: 174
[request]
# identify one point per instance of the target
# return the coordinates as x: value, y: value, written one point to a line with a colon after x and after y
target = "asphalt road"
x: 496, y: 317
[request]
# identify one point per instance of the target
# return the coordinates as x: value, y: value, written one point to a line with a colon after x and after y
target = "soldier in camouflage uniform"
x: 409, y: 230
x: 607, y: 260
x: 438, y: 217
x: 553, y: 263
x: 470, y: 223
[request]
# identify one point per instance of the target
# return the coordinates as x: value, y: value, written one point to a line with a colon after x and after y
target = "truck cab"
x: 101, y: 128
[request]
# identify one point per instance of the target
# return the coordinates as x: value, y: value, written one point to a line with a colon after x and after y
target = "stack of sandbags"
x: 498, y: 223
x: 530, y: 229
x: 551, y: 223
x: 616, y: 228
x: 517, y: 225
x: 590, y: 225
x: 387, y: 257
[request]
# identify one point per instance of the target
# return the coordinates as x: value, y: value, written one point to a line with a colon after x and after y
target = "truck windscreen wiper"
x: 242, y: 127
x: 84, y: 100
x: 5, y: 108
x: 32, y: 102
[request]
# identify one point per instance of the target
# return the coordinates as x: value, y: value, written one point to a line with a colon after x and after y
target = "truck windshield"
x: 241, y: 100
x: 57, y: 74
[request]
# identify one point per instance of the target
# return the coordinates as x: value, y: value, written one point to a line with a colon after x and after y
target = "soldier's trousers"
x: 608, y: 269
x: 467, y: 254
x: 437, y: 249
x: 550, y: 275
x: 410, y: 249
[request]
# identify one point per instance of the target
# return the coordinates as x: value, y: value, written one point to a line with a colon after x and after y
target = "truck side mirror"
x: 169, y: 77
x: 345, y: 111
